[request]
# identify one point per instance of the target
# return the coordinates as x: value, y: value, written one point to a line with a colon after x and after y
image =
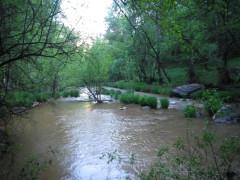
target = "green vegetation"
x: 149, y: 46
x: 212, y: 101
x: 189, y: 161
x: 190, y: 111
x: 164, y: 103
x: 70, y: 93
x: 26, y: 99
x: 131, y: 98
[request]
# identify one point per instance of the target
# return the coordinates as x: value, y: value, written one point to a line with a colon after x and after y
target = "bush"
x: 130, y: 98
x: 70, y: 93
x: 212, y: 101
x: 20, y: 98
x: 155, y: 90
x: 151, y: 101
x: 164, y: 103
x: 125, y: 98
x: 41, y: 97
x: 190, y: 111
x: 219, y: 160
x: 65, y: 94
x: 74, y: 93
x: 197, y: 95
x: 143, y: 101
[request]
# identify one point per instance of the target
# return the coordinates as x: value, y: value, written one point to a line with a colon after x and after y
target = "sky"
x: 86, y: 16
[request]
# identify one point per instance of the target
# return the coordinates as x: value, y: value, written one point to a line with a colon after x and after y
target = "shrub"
x: 188, y: 161
x: 130, y: 98
x: 20, y: 98
x: 164, y: 103
x: 74, y: 93
x: 65, y: 94
x: 151, y: 101
x: 115, y: 94
x: 190, y: 111
x: 197, y: 95
x: 41, y: 97
x: 212, y: 101
x: 125, y: 98
x: 70, y: 93
x: 155, y: 90
x: 142, y: 101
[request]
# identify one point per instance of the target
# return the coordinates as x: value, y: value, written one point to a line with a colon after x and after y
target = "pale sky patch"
x: 86, y: 16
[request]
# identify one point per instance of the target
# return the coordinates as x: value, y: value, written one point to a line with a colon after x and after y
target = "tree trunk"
x: 224, y: 75
x: 192, y: 77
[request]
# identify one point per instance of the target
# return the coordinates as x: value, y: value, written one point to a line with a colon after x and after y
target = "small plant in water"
x: 190, y: 111
x: 212, y: 101
x: 164, y: 103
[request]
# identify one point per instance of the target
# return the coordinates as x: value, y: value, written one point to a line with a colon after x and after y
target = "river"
x: 85, y: 141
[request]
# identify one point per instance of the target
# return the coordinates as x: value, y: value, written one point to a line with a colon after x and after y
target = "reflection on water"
x: 81, y: 133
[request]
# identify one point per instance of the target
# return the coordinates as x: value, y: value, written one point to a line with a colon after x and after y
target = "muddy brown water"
x: 99, y: 141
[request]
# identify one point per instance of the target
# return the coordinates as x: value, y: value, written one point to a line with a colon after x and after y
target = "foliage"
x: 20, y: 98
x: 41, y: 97
x: 190, y: 111
x: 212, y: 101
x: 201, y: 157
x: 130, y: 98
x: 70, y: 93
x: 164, y: 103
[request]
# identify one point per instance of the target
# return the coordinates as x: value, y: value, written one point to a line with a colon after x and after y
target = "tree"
x: 31, y: 29
x: 95, y: 68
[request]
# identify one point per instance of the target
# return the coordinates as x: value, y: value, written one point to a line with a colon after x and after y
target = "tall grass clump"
x: 212, y: 101
x: 164, y: 103
x: 190, y: 111
x: 151, y: 101
x: 130, y: 98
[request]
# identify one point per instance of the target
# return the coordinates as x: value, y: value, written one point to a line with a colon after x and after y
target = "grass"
x: 164, y: 103
x: 20, y: 98
x: 190, y: 111
x: 24, y: 98
x: 130, y: 98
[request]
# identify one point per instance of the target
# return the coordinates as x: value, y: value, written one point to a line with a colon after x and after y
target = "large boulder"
x: 227, y: 114
x: 186, y: 90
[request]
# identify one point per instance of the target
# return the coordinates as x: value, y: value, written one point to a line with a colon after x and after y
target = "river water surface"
x: 99, y: 141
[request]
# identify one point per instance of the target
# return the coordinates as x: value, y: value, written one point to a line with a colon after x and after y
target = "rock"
x: 145, y: 107
x: 123, y: 108
x: 186, y: 90
x: 18, y: 110
x: 35, y: 104
x: 227, y: 114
